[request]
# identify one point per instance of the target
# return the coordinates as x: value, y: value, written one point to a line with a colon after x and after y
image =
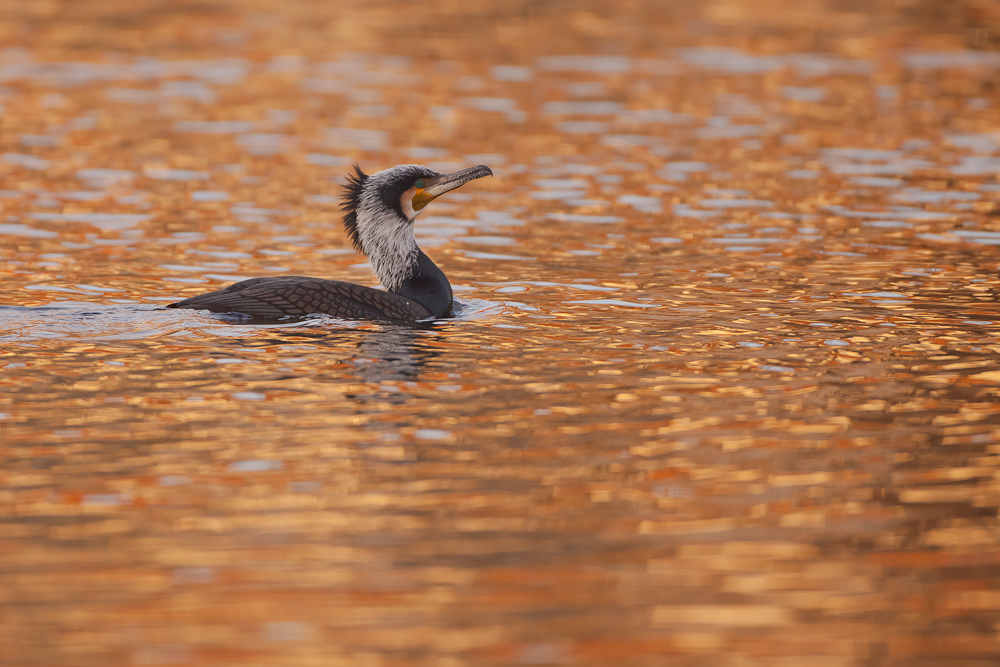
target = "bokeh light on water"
x: 722, y: 388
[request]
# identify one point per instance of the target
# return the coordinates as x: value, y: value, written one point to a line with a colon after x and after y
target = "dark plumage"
x: 295, y: 296
x: 379, y: 211
x: 351, y: 200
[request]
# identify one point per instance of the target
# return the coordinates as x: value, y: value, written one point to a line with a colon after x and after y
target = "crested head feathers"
x: 351, y: 202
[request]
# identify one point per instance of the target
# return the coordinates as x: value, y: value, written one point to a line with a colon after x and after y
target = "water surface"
x: 721, y: 389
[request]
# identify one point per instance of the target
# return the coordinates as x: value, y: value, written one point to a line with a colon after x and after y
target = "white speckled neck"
x: 386, y: 237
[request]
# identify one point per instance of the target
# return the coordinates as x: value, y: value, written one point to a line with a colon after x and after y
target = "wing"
x: 296, y: 296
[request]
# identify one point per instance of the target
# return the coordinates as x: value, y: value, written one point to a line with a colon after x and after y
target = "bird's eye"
x: 419, y: 184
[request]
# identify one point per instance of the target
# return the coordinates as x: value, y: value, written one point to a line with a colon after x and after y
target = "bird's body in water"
x: 379, y: 211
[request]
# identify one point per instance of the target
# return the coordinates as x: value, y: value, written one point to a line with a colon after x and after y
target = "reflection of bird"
x: 393, y: 354
x: 379, y: 214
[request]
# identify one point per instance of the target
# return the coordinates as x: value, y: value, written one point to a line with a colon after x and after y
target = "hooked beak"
x: 437, y: 186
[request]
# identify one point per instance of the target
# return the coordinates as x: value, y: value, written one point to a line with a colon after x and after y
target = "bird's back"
x: 298, y: 296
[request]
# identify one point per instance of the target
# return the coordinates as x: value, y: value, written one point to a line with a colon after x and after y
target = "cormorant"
x: 379, y: 211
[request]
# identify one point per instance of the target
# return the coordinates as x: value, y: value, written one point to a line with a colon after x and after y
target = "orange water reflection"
x: 722, y: 389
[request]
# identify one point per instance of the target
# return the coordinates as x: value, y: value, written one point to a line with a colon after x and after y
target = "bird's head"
x: 379, y: 211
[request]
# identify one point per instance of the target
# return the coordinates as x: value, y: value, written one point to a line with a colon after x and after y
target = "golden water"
x: 722, y: 389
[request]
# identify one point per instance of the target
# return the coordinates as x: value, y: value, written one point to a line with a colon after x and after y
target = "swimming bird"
x: 379, y: 211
